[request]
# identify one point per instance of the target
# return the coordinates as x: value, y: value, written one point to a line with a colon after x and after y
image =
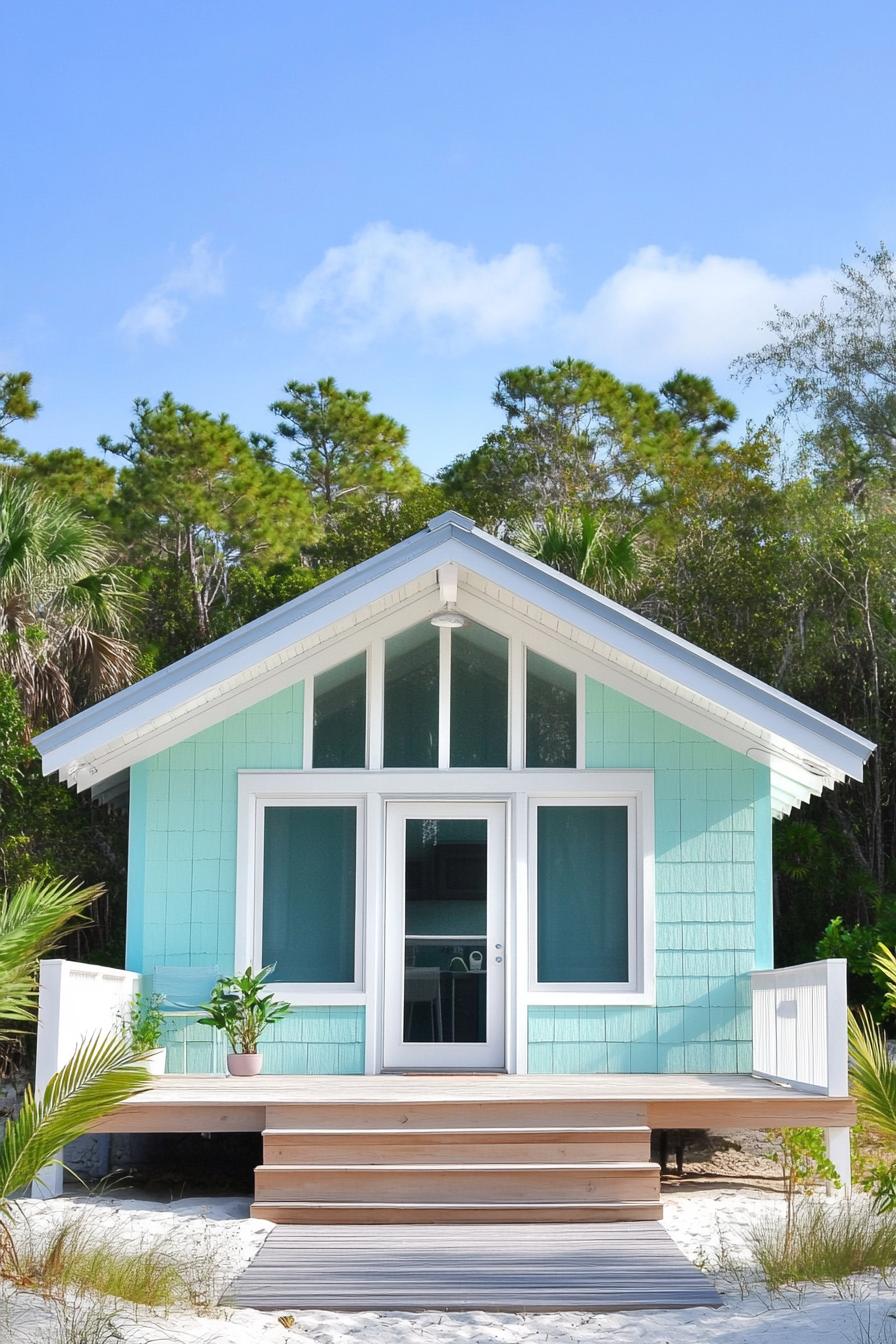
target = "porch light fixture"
x: 448, y: 618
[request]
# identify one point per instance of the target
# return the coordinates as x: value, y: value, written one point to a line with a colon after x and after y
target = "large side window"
x: 309, y: 893
x: 582, y: 895
x: 340, y: 716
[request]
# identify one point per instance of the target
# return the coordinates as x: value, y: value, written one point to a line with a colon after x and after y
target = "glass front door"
x: 445, y: 956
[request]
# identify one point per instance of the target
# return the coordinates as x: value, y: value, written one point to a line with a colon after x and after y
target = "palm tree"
x: 583, y: 545
x: 103, y: 1072
x: 64, y: 605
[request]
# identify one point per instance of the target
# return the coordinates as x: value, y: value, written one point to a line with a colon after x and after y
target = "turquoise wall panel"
x: 713, y: 905
x: 182, y: 860
x: 309, y: 1040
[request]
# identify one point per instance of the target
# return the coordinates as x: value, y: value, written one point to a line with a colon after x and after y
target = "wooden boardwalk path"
x: 564, y: 1267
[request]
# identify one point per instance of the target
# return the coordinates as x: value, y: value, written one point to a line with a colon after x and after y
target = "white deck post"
x: 75, y: 1001
x: 837, y: 1146
x: 49, y: 1057
x: 837, y: 1141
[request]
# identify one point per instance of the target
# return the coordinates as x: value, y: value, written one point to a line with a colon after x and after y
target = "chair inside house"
x: 183, y: 989
x: 423, y: 984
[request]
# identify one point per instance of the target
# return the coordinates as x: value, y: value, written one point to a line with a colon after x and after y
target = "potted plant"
x: 239, y: 1008
x: 142, y: 1023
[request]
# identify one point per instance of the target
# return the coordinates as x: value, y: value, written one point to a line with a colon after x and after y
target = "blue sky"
x: 212, y: 198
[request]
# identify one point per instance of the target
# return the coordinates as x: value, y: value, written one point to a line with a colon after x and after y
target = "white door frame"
x: 490, y: 1054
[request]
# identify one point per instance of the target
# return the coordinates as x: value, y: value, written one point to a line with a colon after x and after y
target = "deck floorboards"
x: 564, y: 1267
x: 274, y: 1089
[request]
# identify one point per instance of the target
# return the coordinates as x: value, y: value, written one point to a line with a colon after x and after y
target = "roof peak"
x: 451, y: 518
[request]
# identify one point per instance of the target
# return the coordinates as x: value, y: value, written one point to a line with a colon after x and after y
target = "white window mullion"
x: 581, y: 748
x: 308, y: 724
x: 518, y: 935
x: 516, y: 675
x: 444, y: 697
x: 376, y: 663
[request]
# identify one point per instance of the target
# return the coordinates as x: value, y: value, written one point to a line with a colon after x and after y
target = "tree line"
x: 772, y: 546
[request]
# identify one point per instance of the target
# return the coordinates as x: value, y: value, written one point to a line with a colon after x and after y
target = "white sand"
x: 699, y: 1222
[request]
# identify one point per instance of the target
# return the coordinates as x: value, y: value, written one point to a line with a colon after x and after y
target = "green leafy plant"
x: 239, y: 1008
x: 859, y: 944
x: 142, y: 1022
x: 801, y: 1155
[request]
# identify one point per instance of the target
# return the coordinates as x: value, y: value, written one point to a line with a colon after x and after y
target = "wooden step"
x: 330, y: 1214
x: 458, y: 1184
x: 539, y: 1145
x: 449, y: 1113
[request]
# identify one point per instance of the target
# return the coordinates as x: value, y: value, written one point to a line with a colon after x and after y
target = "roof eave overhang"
x: 814, y: 750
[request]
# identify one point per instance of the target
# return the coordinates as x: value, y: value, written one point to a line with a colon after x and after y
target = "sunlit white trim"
x: 516, y: 708
x: 444, y: 756
x: 376, y: 673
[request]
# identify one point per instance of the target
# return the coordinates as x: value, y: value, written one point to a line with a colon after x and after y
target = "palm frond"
x: 33, y: 917
x: 103, y: 1072
x: 872, y: 1074
x: 584, y: 545
x: 885, y: 962
x: 65, y: 605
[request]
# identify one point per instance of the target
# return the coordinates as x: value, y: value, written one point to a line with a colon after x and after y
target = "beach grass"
x: 827, y: 1243
x: 73, y: 1259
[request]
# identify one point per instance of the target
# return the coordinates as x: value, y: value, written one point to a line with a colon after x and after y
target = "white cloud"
x: 387, y: 279
x: 658, y: 311
x: 661, y: 310
x: 163, y: 308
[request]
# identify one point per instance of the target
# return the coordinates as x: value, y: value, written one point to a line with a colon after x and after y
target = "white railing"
x: 799, y: 1027
x: 76, y: 1001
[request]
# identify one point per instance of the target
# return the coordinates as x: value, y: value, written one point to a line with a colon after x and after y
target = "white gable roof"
x: 806, y: 750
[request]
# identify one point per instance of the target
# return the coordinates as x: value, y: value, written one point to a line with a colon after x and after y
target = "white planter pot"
x: 244, y: 1066
x: 155, y: 1061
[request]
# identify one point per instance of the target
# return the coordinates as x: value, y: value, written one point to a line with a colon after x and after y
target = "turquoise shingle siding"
x: 309, y: 1040
x: 182, y: 880
x: 713, y: 905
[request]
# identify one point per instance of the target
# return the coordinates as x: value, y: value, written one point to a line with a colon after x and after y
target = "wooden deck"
x: 212, y: 1104
x: 618, y: 1267
x: 464, y: 1149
